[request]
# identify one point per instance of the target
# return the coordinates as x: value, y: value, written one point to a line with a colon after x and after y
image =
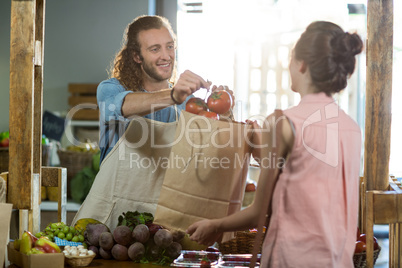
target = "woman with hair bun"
x: 314, y: 200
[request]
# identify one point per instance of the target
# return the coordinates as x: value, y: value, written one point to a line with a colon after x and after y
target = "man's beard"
x: 151, y: 71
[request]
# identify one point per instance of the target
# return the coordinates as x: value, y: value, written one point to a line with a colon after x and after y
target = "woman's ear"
x: 303, y: 67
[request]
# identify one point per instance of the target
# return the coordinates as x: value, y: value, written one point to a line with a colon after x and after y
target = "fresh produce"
x: 4, y: 139
x: 141, y: 233
x: 196, y: 105
x: 81, y: 224
x: 122, y: 235
x: 361, y: 243
x: 86, y: 147
x: 144, y: 243
x: 29, y: 244
x: 153, y: 228
x: 93, y: 232
x: 173, y: 250
x: 220, y: 102
x: 132, y: 219
x: 178, y: 235
x: 47, y: 246
x: 62, y: 231
x: 136, y: 251
x: 105, y: 254
x: 208, y: 114
x: 120, y: 252
x: 106, y: 241
x: 75, y: 251
x: 94, y: 250
x: 163, y: 238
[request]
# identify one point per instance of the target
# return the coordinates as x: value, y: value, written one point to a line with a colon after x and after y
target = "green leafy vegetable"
x: 132, y: 219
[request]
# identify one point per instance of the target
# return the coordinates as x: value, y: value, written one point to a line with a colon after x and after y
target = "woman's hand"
x: 204, y: 232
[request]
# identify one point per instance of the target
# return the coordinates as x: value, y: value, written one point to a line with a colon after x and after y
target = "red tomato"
x: 219, y: 102
x: 205, y: 263
x: 209, y: 114
x: 250, y: 187
x: 196, y: 105
x: 362, y: 238
x: 360, y: 247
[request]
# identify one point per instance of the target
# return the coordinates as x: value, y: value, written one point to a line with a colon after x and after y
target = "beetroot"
x: 136, y: 251
x: 106, y: 241
x: 122, y: 235
x: 173, y: 250
x: 120, y: 252
x: 163, y: 238
x: 141, y: 233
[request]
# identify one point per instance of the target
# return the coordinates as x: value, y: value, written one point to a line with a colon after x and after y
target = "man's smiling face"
x: 158, y: 54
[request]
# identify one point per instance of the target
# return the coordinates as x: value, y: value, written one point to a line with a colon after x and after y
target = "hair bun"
x: 346, y: 45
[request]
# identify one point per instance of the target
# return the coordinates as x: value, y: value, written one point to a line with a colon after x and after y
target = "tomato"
x: 360, y: 247
x: 196, y: 105
x: 362, y: 238
x: 205, y: 263
x: 250, y: 187
x: 219, y: 102
x: 209, y: 114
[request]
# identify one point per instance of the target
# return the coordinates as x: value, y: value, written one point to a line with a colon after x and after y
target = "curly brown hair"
x: 125, y: 69
x: 329, y: 52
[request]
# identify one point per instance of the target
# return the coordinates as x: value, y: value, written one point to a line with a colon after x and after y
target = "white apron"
x: 131, y: 175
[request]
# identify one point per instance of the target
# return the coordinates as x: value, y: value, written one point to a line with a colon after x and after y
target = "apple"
x: 5, y: 142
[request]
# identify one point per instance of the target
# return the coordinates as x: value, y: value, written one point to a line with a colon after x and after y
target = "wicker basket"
x: 74, y: 162
x: 243, y: 243
x: 359, y: 259
x: 4, y: 156
x: 79, y: 261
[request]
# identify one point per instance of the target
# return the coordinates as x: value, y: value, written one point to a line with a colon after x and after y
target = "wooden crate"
x: 82, y: 94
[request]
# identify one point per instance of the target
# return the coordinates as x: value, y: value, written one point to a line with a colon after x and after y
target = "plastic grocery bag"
x: 207, y: 172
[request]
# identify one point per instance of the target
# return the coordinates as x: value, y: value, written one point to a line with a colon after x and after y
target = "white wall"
x: 81, y: 39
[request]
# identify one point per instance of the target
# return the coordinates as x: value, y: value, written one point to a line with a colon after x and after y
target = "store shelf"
x: 52, y: 206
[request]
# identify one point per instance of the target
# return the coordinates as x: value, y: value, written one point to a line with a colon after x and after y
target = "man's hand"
x: 187, y: 84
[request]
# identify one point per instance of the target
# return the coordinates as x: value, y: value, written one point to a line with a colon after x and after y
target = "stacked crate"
x: 82, y: 99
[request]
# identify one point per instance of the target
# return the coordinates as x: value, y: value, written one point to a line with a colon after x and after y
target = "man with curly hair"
x: 143, y: 80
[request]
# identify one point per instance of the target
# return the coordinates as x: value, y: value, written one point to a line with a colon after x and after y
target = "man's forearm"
x: 140, y: 103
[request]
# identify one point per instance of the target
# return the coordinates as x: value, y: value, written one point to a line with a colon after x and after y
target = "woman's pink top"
x: 315, y: 201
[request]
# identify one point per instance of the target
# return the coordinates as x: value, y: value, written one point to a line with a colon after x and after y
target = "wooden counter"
x: 112, y: 264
